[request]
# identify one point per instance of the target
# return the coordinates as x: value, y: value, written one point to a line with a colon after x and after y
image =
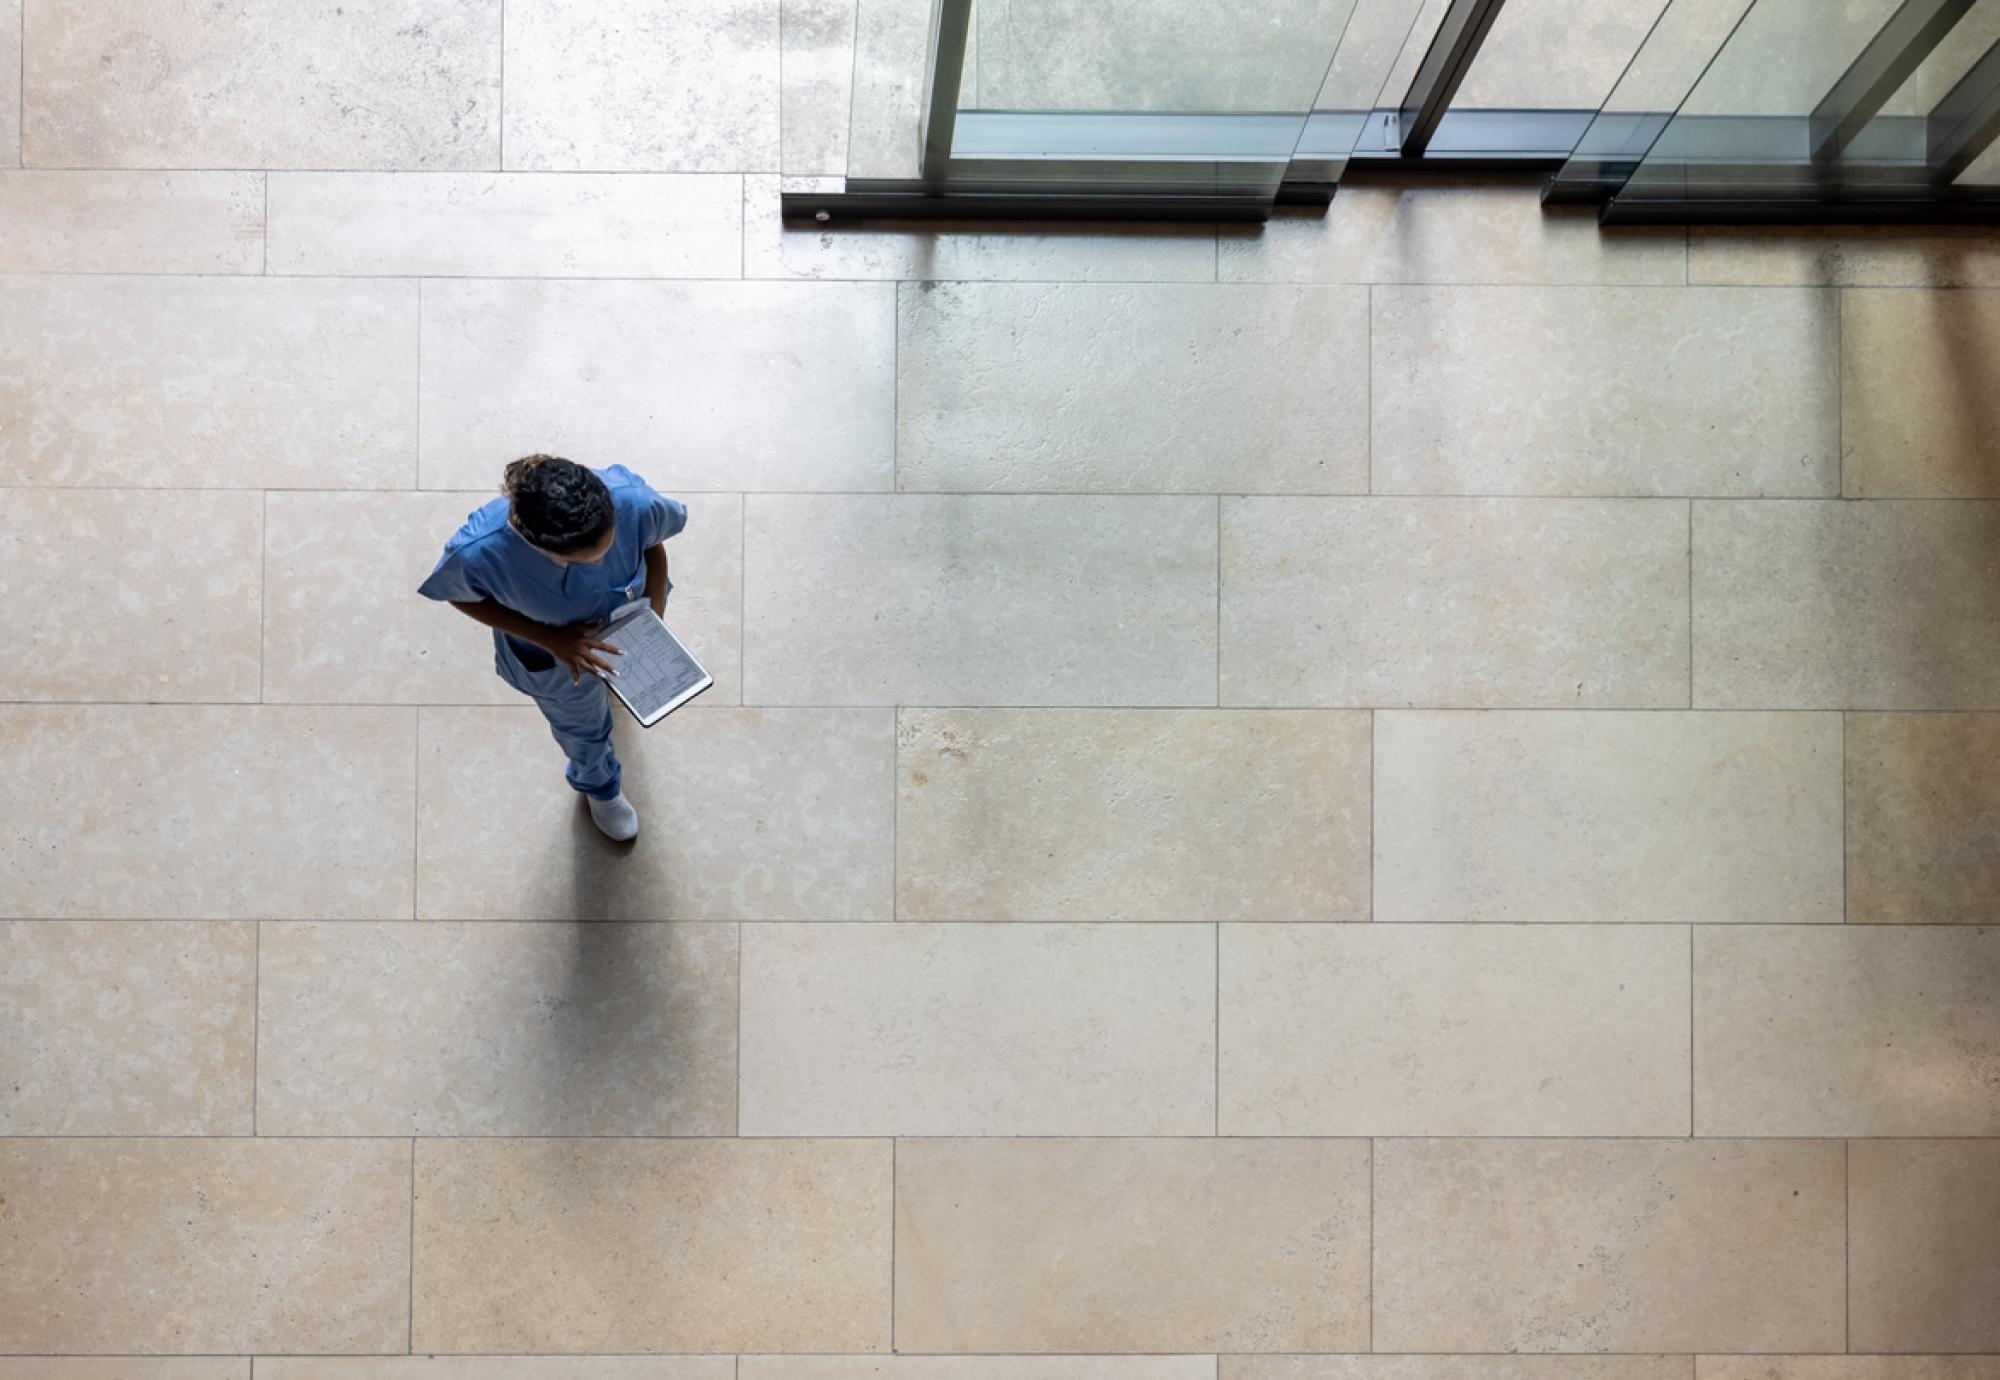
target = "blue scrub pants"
x: 579, y: 715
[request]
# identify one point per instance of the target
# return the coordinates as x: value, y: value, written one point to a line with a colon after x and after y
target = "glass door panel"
x: 1169, y: 96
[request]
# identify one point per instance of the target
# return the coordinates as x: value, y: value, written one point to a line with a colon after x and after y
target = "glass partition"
x: 1677, y: 50
x: 1556, y: 54
x: 1815, y: 104
x: 1208, y: 98
x: 1184, y: 107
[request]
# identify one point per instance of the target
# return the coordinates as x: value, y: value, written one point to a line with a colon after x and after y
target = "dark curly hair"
x: 557, y: 504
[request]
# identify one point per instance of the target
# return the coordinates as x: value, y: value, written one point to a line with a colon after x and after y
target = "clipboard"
x: 657, y: 674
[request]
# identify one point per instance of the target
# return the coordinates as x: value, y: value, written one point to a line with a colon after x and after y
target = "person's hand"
x: 577, y: 648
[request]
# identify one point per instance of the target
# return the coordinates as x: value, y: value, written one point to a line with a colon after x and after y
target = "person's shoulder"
x: 482, y: 528
x: 622, y: 481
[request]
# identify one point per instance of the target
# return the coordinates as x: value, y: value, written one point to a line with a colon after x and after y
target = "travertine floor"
x: 1485, y: 734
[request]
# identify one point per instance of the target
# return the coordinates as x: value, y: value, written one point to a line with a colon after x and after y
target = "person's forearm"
x: 656, y: 578
x: 505, y: 619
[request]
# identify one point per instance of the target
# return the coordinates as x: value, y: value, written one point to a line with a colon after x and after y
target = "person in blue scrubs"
x: 545, y: 566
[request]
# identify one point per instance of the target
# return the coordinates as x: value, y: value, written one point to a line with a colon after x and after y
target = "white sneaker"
x: 615, y: 817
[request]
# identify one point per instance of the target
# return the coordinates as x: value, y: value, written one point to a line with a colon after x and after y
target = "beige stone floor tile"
x: 197, y: 812
x: 1925, y: 1262
x: 976, y: 1368
x: 1608, y: 1245
x: 671, y: 87
x: 1847, y: 1368
x: 1844, y: 256
x: 1165, y: 1245
x: 1053, y: 251
x: 1923, y: 808
x: 978, y: 1030
x: 1656, y: 817
x: 497, y: 1029
x: 1881, y: 605
x: 1421, y: 231
x: 725, y: 386
x: 204, y: 1246
x: 1848, y: 1031
x: 1918, y: 405
x: 494, y: 1368
x: 131, y: 222
x: 126, y: 1368
x: 87, y: 569
x: 979, y: 599
x: 1131, y: 388
x: 183, y: 84
x: 1458, y: 1368
x: 207, y: 382
x: 747, y: 814
x: 1132, y: 815
x: 699, y: 1245
x: 126, y: 1028
x: 10, y: 83
x: 573, y: 225
x: 1604, y: 390
x: 338, y: 604
x: 1454, y: 603
x: 1507, y: 1030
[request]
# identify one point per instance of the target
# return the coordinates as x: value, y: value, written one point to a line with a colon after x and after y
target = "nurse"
x: 545, y: 566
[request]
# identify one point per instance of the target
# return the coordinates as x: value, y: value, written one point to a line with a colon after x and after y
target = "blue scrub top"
x: 488, y: 559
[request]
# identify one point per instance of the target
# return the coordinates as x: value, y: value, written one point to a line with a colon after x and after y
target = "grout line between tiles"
x: 412, y: 1299
x: 743, y: 599
x: 1218, y: 601
x: 896, y: 390
x: 877, y: 1356
x: 256, y: 1014
x: 417, y: 441
x: 1846, y: 905
x: 1374, y: 726
x: 416, y: 803
x: 489, y: 1138
x: 1218, y: 1028
x: 1372, y: 1147
x: 1128, y: 707
x: 895, y: 816
x: 1691, y: 1120
x: 739, y: 1028
x: 263, y: 590
x: 1413, y: 926
x: 1230, y: 285
x: 996, y: 497
x: 893, y: 1194
x: 266, y: 268
x: 1368, y: 391
x: 1847, y: 1245
x: 1189, y: 496
x: 1690, y: 593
